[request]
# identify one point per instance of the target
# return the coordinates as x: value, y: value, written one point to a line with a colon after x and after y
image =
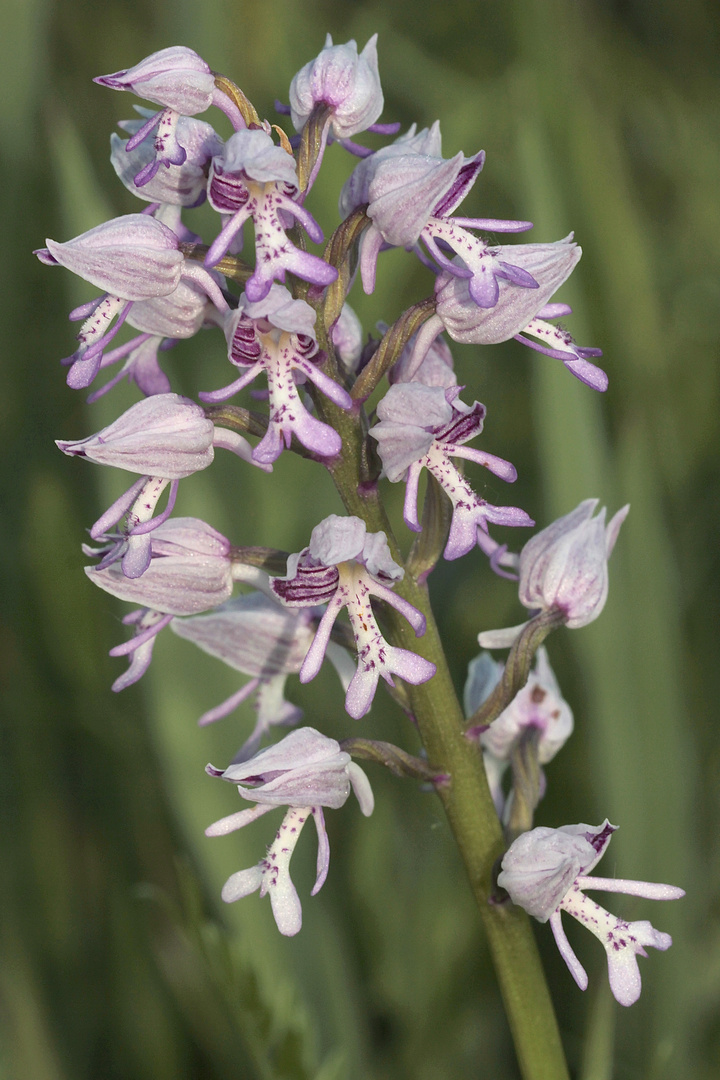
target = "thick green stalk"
x: 466, y: 798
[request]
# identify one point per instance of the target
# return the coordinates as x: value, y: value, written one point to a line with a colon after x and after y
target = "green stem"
x: 467, y: 800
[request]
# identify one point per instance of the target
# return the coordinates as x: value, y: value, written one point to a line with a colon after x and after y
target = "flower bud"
x: 349, y: 83
x: 565, y: 565
x: 539, y: 706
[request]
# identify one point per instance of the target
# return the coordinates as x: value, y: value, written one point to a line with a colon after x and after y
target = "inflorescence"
x: 289, y: 332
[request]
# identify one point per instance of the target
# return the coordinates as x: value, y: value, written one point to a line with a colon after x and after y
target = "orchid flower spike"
x: 183, y: 84
x: 422, y: 427
x: 305, y: 771
x: 276, y: 336
x: 164, y: 437
x: 344, y: 565
x: 260, y: 637
x: 254, y: 178
x: 190, y: 570
x: 545, y: 871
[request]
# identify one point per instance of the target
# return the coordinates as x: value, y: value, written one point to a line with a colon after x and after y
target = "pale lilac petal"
x: 253, y: 634
x: 549, y: 264
x: 500, y: 639
x: 362, y: 789
x: 134, y: 257
x: 482, y: 677
x: 623, y: 970
x: 361, y: 691
x: 416, y: 404
x: 229, y: 824
x: 281, y: 309
x: 410, y: 504
x: 300, y: 748
x: 347, y: 337
x: 323, y: 855
x: 337, y: 539
x: 370, y: 247
x: 378, y: 561
x: 175, y: 77
x: 540, y: 867
x: 241, y: 884
x: 400, y: 446
x: 316, y: 652
x: 566, y: 565
x: 651, y: 890
x: 436, y: 368
x: 164, y: 435
x: 576, y: 969
x: 286, y: 906
x: 180, y: 314
x: 187, y: 577
x: 231, y: 703
x: 406, y: 609
x: 254, y: 153
x: 404, y: 191
x: 613, y: 529
x: 424, y: 340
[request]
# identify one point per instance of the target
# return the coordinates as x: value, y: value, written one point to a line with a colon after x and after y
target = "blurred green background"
x: 117, y: 960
